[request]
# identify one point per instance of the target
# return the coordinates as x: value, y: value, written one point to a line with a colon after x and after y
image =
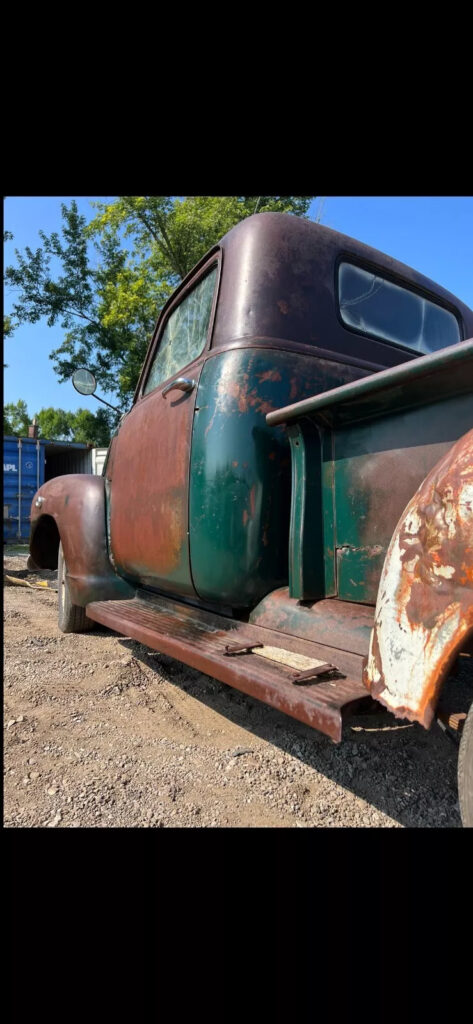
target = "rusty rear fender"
x: 424, y: 611
x: 72, y: 509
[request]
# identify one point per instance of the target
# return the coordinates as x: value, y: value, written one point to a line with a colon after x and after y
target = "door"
x: 149, y: 486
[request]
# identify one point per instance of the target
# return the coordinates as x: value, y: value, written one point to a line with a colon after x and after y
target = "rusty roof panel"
x: 279, y: 281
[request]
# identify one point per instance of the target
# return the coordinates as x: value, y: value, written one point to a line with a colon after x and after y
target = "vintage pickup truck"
x: 288, y: 505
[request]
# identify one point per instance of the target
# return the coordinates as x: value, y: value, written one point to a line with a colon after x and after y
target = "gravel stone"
x: 125, y: 737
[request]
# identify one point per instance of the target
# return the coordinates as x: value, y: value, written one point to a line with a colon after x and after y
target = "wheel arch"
x: 72, y: 509
x: 44, y: 542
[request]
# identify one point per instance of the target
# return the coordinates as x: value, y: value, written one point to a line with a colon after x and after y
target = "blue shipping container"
x: 27, y: 463
x: 23, y: 473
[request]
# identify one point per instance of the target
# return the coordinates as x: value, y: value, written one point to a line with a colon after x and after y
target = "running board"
x: 303, y: 679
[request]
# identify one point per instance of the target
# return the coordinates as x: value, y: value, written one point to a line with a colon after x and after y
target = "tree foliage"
x: 117, y: 273
x: 15, y: 418
x: 55, y: 424
x: 92, y: 428
x: 8, y: 326
x: 58, y: 425
x: 8, y: 329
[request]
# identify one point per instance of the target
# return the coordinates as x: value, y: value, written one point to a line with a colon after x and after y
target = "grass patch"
x: 16, y: 549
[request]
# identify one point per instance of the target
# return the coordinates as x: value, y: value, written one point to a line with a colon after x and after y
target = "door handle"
x: 180, y: 384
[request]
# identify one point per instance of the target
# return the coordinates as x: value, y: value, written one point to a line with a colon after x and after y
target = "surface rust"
x: 200, y: 638
x: 428, y: 377
x: 311, y: 673
x: 241, y: 648
x: 276, y: 294
x: 240, y: 471
x: 424, y: 613
x: 73, y: 511
x: 278, y: 282
x: 369, y: 469
x: 368, y: 506
x: 336, y: 624
x: 149, y: 481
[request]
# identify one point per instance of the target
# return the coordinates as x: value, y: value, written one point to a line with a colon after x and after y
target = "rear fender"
x: 424, y: 612
x: 72, y: 509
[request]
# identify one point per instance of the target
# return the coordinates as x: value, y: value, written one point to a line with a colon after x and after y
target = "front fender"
x: 72, y: 509
x: 424, y: 612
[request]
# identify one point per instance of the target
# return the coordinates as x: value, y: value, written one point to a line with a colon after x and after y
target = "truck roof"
x: 278, y: 283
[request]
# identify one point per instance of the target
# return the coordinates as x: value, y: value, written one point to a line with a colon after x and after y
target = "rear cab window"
x: 374, y: 305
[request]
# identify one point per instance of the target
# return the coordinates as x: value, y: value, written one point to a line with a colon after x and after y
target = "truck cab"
x: 199, y: 484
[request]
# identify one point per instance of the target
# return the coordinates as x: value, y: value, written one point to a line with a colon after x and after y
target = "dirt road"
x: 100, y: 731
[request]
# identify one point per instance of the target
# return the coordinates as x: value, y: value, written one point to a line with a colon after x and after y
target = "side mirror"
x: 84, y: 382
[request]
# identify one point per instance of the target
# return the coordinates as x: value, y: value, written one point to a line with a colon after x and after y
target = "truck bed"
x: 359, y: 453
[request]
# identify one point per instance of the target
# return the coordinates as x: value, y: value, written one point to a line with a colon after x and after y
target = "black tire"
x: 71, y: 618
x: 465, y: 772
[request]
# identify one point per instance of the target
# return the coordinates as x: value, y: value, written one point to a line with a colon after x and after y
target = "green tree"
x: 82, y: 426
x: 144, y: 245
x: 8, y: 329
x: 8, y: 326
x: 15, y: 418
x: 55, y: 424
x: 92, y: 428
x: 175, y: 233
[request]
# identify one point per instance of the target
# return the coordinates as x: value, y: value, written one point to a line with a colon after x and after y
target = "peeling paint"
x: 370, y: 550
x: 273, y: 375
x: 424, y: 612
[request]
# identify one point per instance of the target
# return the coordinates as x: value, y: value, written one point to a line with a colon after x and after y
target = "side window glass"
x: 185, y: 333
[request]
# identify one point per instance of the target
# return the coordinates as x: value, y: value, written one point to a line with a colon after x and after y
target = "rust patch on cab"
x: 424, y: 613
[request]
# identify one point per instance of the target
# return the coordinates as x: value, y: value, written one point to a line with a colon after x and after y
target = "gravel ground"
x: 100, y: 731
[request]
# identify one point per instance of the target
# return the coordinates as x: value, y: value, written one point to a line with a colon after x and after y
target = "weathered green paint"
x: 328, y: 512
x: 371, y: 466
x: 240, y: 475
x: 306, y: 540
x: 436, y: 377
x: 358, y: 572
x: 378, y: 466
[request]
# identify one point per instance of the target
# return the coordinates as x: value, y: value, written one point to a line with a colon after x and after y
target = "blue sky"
x: 432, y: 234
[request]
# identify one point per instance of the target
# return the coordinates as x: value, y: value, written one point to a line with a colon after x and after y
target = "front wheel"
x: 465, y: 772
x: 71, y: 618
